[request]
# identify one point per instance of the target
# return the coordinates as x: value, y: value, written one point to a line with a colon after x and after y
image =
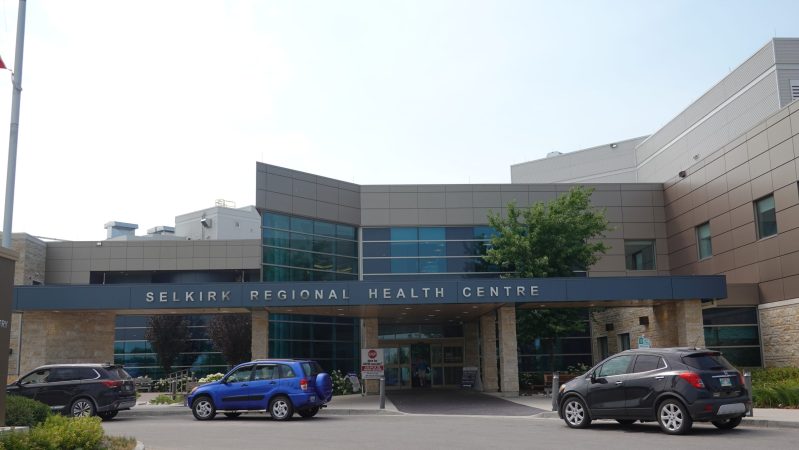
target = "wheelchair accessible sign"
x: 644, y: 342
x: 372, y: 366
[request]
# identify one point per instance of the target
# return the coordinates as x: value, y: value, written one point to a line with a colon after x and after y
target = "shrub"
x: 166, y: 399
x: 775, y: 387
x: 57, y: 432
x: 25, y: 412
x: 211, y: 377
x: 341, y: 384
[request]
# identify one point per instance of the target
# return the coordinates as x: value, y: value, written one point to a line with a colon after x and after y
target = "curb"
x: 765, y: 423
x: 168, y: 411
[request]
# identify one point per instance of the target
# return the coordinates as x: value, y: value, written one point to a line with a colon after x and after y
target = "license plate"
x: 725, y: 382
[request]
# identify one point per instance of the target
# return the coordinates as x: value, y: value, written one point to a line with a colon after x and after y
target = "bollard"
x: 555, y: 387
x: 382, y: 393
x: 748, y: 382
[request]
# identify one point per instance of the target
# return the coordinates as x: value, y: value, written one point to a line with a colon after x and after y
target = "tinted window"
x: 645, y: 363
x: 64, y: 374
x: 707, y: 361
x: 766, y: 217
x: 615, y: 366
x: 117, y: 373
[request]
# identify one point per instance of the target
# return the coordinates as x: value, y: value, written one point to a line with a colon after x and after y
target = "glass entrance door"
x: 420, y: 365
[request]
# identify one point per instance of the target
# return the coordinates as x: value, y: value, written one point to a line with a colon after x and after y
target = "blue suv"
x: 280, y: 386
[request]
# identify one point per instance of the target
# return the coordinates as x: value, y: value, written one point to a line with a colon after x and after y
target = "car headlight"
x: 193, y: 390
x: 561, y: 388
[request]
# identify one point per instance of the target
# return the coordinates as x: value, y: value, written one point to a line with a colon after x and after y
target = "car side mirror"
x: 593, y: 377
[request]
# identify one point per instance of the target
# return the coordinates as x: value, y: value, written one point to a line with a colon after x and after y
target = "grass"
x: 776, y: 387
x: 118, y: 443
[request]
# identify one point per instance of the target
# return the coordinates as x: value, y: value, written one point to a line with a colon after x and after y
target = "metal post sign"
x: 372, y: 367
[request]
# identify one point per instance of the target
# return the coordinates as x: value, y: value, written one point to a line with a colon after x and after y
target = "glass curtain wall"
x: 399, y: 253
x: 734, y: 332
x: 302, y: 249
x: 135, y: 353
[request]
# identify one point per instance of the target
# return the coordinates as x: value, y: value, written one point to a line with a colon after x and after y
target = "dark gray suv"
x: 674, y: 386
x: 79, y: 389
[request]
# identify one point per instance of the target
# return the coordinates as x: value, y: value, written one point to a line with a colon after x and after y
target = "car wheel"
x: 310, y: 412
x: 108, y: 415
x: 674, y: 418
x: 575, y: 413
x: 232, y: 415
x: 203, y: 408
x: 82, y: 407
x: 280, y: 408
x: 626, y: 421
x: 727, y: 424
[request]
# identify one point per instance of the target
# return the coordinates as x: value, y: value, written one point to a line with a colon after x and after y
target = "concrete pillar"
x: 678, y: 324
x: 690, y: 330
x: 508, y: 354
x: 488, y: 352
x: 369, y: 340
x: 471, y: 344
x: 259, y: 346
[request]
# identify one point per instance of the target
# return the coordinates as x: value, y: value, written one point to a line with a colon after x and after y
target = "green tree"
x: 552, y: 239
x: 169, y: 336
x: 231, y: 334
x: 548, y: 239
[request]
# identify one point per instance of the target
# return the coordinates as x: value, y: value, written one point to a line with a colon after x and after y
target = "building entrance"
x: 423, y: 365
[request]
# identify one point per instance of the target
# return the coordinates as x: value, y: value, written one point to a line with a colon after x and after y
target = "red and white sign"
x: 372, y: 367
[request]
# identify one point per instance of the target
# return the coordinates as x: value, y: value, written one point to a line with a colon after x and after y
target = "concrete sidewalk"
x: 357, y: 404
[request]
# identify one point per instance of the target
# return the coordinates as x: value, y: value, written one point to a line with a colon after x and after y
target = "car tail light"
x: 112, y: 383
x: 304, y: 384
x: 693, y: 379
x: 741, y: 379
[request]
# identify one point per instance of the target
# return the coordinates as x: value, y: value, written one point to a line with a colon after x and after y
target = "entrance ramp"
x: 456, y: 402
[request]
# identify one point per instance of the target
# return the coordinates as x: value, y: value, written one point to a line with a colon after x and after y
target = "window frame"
x: 759, y: 223
x: 699, y: 240
x: 628, y: 256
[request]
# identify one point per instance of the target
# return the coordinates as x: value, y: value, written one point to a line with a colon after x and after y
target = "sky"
x: 142, y: 111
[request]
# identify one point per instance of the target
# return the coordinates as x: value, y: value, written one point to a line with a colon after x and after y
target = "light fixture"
x: 99, y: 244
x: 614, y: 145
x: 682, y: 174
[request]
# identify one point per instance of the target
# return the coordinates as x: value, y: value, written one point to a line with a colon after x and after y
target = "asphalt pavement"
x: 456, y: 402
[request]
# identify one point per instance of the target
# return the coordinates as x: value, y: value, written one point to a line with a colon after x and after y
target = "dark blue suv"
x: 280, y: 386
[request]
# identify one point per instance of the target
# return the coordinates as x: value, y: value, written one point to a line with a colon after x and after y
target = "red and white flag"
x: 2, y: 64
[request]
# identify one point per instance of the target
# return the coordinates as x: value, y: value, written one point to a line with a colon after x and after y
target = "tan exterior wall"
x: 720, y: 189
x: 66, y: 337
x: 508, y: 354
x: 779, y: 331
x: 72, y: 262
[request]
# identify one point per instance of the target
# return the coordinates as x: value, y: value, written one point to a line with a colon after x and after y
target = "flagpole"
x: 16, y: 81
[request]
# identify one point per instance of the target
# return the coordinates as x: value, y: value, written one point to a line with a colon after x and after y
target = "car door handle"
x: 243, y: 384
x: 660, y: 377
x: 619, y: 382
x: 273, y: 382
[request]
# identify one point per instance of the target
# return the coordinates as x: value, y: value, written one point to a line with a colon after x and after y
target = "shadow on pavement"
x: 456, y: 402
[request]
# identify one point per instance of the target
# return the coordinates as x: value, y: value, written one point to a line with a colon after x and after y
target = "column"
x: 508, y: 355
x: 369, y: 340
x: 471, y: 344
x: 690, y: 331
x: 488, y: 352
x: 260, y: 334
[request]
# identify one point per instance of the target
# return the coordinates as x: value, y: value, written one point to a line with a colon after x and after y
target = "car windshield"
x: 707, y: 361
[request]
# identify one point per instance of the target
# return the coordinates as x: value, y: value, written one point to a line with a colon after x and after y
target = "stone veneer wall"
x: 66, y: 337
x: 779, y: 333
x: 259, y: 347
x: 670, y: 324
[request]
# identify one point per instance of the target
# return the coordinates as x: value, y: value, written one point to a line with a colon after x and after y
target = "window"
x: 602, y: 346
x: 639, y: 255
x: 36, y: 377
x: 645, y: 363
x: 615, y: 366
x: 766, y: 217
x: 703, y: 241
x: 243, y: 374
x: 264, y: 373
x: 624, y: 341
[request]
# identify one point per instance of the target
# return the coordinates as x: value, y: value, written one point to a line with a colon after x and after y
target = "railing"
x: 178, y: 382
